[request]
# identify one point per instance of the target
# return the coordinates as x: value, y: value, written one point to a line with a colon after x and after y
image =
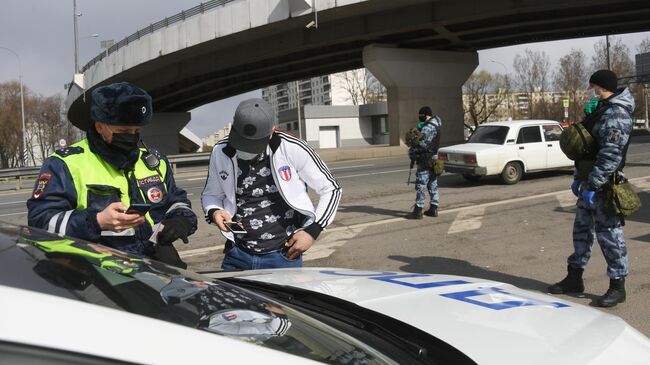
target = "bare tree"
x: 644, y: 46
x: 10, y: 125
x: 619, y: 56
x: 360, y: 86
x: 532, y: 76
x: 571, y: 78
x: 484, y: 94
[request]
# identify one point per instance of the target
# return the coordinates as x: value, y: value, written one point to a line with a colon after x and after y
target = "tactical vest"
x: 99, y: 183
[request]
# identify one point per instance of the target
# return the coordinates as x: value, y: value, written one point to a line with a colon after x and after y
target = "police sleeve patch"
x: 68, y: 151
x: 614, y: 136
x: 42, y: 182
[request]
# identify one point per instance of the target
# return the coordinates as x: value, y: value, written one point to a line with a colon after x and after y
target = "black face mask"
x: 125, y: 142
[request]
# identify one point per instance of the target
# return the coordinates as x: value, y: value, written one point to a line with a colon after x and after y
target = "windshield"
x: 489, y: 134
x: 100, y: 275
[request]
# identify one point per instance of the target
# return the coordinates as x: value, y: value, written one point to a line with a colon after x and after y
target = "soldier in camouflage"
x: 611, y: 134
x: 424, y: 152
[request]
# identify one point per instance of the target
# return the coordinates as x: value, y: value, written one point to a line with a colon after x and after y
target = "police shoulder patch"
x: 614, y: 136
x: 68, y: 151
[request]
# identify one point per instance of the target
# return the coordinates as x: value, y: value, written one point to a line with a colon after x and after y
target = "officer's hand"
x: 113, y: 218
x: 298, y: 243
x: 575, y: 187
x: 588, y: 196
x: 174, y: 228
x: 221, y: 216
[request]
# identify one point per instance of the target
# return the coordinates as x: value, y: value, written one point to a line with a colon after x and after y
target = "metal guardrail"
x: 185, y: 14
x: 19, y: 173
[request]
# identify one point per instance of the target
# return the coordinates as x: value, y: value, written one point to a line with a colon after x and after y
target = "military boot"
x: 615, y: 294
x: 572, y: 283
x: 432, y: 212
x: 415, y: 214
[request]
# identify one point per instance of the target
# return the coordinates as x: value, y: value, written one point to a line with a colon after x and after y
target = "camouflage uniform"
x: 611, y: 134
x: 425, y: 179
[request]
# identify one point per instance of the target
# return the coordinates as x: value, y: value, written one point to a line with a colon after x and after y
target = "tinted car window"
x: 529, y: 135
x: 489, y: 134
x: 552, y: 132
x: 97, y: 274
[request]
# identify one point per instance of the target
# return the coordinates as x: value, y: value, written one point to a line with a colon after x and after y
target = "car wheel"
x: 472, y: 178
x: 512, y: 173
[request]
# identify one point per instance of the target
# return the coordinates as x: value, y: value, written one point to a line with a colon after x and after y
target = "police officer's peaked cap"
x: 121, y: 104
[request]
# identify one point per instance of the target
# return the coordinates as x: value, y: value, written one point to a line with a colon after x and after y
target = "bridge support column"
x: 414, y: 78
x: 163, y: 131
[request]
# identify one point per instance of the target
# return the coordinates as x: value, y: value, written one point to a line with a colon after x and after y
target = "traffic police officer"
x: 424, y: 152
x: 84, y: 190
x: 611, y: 133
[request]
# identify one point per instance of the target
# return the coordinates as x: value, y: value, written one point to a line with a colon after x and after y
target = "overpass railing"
x: 183, y: 15
x: 29, y: 173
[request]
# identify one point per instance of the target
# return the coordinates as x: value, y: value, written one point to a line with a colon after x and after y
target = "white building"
x: 215, y: 137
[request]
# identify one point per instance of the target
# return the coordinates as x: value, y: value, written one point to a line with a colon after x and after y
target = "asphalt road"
x: 519, y: 234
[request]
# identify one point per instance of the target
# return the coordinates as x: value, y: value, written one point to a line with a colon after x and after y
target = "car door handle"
x: 521, y: 148
x: 549, y: 145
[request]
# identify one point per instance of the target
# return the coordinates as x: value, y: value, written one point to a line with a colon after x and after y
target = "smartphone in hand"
x: 139, y: 209
x: 235, y: 227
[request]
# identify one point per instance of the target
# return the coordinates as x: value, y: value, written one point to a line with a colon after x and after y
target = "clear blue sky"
x: 41, y: 32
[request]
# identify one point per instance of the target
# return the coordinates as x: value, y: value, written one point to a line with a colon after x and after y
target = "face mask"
x: 125, y: 142
x: 246, y: 155
x: 422, y: 118
x: 594, y: 95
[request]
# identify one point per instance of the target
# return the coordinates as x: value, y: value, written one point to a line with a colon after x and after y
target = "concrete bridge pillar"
x: 414, y: 78
x: 163, y: 131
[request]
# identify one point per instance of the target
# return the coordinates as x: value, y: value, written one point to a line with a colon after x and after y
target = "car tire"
x: 512, y: 173
x: 472, y: 178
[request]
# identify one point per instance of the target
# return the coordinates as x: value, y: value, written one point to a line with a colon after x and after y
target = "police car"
x: 65, y: 301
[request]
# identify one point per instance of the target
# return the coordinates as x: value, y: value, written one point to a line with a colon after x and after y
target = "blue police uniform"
x: 611, y: 134
x: 426, y: 147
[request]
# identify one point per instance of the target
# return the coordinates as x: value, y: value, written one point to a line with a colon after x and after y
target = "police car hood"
x: 491, y: 322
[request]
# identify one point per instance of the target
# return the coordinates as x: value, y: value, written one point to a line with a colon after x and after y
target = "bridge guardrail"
x: 199, y: 9
x: 19, y: 173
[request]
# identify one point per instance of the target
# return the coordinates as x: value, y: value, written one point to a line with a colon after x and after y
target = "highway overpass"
x: 422, y: 50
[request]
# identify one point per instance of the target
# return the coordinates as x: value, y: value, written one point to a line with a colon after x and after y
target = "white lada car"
x: 64, y: 301
x: 507, y: 149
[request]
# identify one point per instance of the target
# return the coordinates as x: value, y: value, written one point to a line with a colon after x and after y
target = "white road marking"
x: 16, y: 202
x: 8, y: 214
x: 641, y: 184
x: 200, y: 251
x: 349, y: 167
x: 467, y: 220
x: 635, y: 181
x: 566, y: 199
x: 328, y: 244
x: 372, y: 173
x: 195, y: 178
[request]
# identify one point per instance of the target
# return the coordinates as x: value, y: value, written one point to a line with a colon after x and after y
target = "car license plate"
x: 455, y: 157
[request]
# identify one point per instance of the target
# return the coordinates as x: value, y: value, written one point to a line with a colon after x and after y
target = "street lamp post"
x: 22, y: 104
x: 505, y: 69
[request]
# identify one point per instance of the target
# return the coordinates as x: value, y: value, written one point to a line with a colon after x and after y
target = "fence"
x: 21, y: 173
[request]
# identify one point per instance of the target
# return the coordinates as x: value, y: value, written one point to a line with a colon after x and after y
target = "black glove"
x: 175, y: 228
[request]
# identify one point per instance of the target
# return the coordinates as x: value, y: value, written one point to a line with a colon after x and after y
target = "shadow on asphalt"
x: 457, y: 181
x: 365, y: 209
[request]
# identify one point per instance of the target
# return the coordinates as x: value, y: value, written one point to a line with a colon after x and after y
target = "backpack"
x: 412, y: 136
x: 576, y: 141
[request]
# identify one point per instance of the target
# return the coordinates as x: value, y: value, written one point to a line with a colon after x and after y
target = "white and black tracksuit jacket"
x: 293, y: 164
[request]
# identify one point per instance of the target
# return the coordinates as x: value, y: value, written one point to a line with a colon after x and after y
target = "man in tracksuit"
x: 258, y: 178
x: 85, y: 190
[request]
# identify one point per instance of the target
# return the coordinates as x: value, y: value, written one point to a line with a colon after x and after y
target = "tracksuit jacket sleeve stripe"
x: 213, y: 195
x: 315, y: 173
